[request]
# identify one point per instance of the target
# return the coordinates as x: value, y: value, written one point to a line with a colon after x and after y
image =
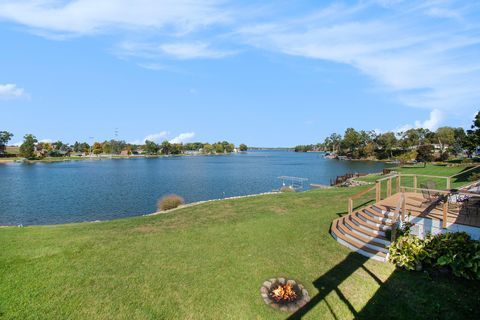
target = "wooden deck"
x: 417, y: 207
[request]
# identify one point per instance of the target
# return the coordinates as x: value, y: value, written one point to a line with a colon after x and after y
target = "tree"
x: 117, y: 146
x: 387, y: 142
x: 425, y: 153
x: 335, y: 139
x: 5, y: 136
x: 166, y: 147
x: 106, y: 147
x: 207, y: 148
x: 97, y: 148
x: 351, y: 139
x: 243, y: 147
x: 218, y: 147
x: 460, y: 142
x: 176, y: 148
x: 445, y: 136
x: 151, y: 147
x: 369, y: 149
x: 27, y: 149
x: 415, y: 137
x: 229, y: 147
x: 472, y: 140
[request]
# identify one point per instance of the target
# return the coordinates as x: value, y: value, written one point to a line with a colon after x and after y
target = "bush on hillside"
x: 287, y: 189
x: 169, y: 202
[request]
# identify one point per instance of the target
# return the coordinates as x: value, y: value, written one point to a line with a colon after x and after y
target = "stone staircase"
x: 364, y: 231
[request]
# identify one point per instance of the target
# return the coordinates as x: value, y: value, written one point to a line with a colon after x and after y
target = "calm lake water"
x: 49, y: 193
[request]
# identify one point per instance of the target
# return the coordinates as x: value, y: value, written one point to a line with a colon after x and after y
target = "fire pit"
x: 283, y: 294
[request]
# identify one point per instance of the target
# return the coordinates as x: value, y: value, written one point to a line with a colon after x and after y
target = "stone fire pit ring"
x: 291, y: 306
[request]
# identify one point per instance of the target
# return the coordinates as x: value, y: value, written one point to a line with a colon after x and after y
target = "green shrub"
x: 169, y: 202
x: 407, y: 252
x: 458, y: 252
x: 287, y: 189
x: 455, y: 251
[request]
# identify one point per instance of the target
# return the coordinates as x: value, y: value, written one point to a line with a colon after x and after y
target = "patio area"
x: 417, y: 206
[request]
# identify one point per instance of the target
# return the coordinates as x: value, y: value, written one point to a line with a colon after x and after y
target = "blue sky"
x: 266, y: 73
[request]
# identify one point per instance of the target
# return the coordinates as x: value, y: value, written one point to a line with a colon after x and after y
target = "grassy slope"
x: 430, y: 169
x: 209, y: 261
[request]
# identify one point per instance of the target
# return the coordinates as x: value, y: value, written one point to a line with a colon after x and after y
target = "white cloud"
x: 183, y: 137
x: 155, y: 137
x: 92, y: 16
x: 46, y: 140
x: 432, y: 123
x: 163, y: 135
x: 11, y: 91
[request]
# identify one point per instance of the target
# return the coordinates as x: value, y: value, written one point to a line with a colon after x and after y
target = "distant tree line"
x: 32, y: 148
x: 416, y: 143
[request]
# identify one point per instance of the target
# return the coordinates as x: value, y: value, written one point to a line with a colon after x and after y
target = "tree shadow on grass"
x: 330, y: 282
x: 465, y: 176
x: 404, y: 295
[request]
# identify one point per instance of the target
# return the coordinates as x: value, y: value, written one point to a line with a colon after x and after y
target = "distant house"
x: 12, y: 151
x: 125, y: 153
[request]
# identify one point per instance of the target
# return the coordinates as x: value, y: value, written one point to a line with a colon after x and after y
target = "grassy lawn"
x: 430, y: 169
x: 208, y: 262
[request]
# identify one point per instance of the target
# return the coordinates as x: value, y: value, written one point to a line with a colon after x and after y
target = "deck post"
x: 415, y: 183
x: 398, y: 184
x: 404, y: 203
x: 449, y: 183
x: 378, y: 189
x: 350, y: 205
x: 389, y: 187
x: 445, y: 210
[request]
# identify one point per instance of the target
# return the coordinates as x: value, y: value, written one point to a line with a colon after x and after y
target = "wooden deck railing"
x: 399, y: 188
x: 358, y: 195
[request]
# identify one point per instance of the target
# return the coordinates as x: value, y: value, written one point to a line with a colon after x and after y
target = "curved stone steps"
x: 364, y: 230
x: 378, y: 216
x: 381, y: 225
x: 355, y: 245
x: 370, y: 242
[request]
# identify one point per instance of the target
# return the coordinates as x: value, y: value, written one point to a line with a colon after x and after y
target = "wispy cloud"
x: 193, y: 51
x: 11, y: 91
x: 425, y: 54
x: 176, y: 50
x: 183, y: 137
x: 91, y: 16
x: 433, y: 65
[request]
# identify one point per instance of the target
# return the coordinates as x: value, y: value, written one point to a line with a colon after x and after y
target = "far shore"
x: 105, y: 157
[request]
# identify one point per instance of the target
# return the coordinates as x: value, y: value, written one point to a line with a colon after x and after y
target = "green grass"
x: 430, y: 169
x: 208, y: 262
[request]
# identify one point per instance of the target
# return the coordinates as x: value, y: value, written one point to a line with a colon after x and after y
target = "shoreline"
x: 196, y: 203
x: 186, y: 205
x: 116, y: 157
